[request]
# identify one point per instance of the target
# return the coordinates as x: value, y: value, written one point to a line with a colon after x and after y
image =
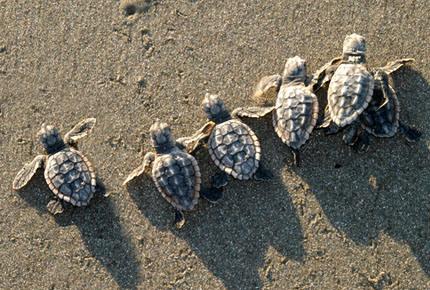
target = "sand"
x: 343, y: 220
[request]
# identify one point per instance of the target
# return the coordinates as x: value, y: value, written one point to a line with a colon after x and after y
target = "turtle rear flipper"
x: 55, y: 206
x: 179, y: 219
x: 147, y: 161
x: 28, y: 171
x: 411, y: 134
x: 296, y: 157
x: 79, y: 131
x: 363, y: 141
x: 351, y: 132
x: 331, y: 129
x: 212, y: 194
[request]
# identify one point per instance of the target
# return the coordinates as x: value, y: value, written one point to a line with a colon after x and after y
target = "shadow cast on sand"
x: 385, y: 189
x: 100, y: 230
x: 232, y: 237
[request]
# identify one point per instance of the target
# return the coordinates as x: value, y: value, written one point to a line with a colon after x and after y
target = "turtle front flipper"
x: 27, y: 172
x: 266, y: 90
x: 212, y: 194
x: 190, y: 144
x: 324, y: 74
x: 251, y: 112
x: 79, y: 131
x: 55, y: 206
x: 411, y: 134
x: 392, y: 66
x: 147, y: 161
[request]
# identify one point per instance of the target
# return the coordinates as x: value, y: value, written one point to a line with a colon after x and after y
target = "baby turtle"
x: 175, y: 173
x: 233, y: 146
x: 68, y: 173
x: 350, y: 87
x: 381, y: 118
x: 296, y: 110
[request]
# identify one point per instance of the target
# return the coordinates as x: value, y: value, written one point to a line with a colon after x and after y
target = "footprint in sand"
x: 131, y: 7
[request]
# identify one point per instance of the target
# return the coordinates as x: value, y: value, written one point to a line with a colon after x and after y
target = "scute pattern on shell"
x: 295, y: 115
x: 381, y: 121
x: 177, y: 177
x: 235, y: 149
x: 349, y: 93
x: 71, y: 177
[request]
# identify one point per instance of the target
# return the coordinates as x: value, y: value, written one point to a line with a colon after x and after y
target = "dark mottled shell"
x: 295, y: 115
x: 349, y: 93
x: 381, y: 121
x: 70, y: 176
x: 177, y: 177
x: 235, y: 149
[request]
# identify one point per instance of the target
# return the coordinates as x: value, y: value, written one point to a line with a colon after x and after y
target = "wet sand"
x: 343, y: 220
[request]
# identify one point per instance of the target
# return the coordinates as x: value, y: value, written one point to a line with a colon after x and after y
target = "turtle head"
x: 161, y: 137
x: 380, y: 75
x: 50, y: 138
x: 295, y: 70
x: 354, y: 48
x: 215, y: 109
x: 381, y: 78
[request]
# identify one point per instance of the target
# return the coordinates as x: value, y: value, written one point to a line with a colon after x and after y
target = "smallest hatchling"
x: 68, y: 173
x: 175, y: 173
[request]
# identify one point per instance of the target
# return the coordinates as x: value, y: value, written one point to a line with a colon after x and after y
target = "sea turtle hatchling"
x: 175, y: 173
x: 350, y: 87
x: 233, y: 146
x: 296, y: 109
x: 68, y: 173
x: 381, y: 118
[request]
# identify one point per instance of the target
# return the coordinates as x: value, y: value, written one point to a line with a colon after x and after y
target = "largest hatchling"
x: 350, y: 87
x: 296, y: 109
x: 351, y: 97
x: 232, y: 145
x: 175, y: 173
x: 68, y: 173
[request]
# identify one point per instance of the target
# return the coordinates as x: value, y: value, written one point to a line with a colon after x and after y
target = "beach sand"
x: 343, y: 220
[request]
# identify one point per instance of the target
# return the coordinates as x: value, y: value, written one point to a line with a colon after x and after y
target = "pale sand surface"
x: 342, y: 221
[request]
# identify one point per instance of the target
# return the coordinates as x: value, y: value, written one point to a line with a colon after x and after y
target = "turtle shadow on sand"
x: 100, y: 230
x: 385, y: 190
x: 233, y: 236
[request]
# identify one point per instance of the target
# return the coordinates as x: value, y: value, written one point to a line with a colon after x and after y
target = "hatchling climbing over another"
x: 350, y: 87
x: 381, y: 118
x: 175, y: 173
x: 233, y: 146
x: 68, y: 173
x: 296, y: 109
